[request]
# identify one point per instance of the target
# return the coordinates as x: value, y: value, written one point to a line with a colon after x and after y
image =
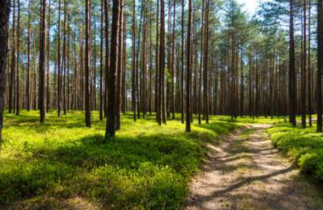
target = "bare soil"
x: 247, y: 173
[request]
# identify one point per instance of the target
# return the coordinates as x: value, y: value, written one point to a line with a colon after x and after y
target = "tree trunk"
x: 101, y: 60
x: 42, y: 64
x: 4, y: 24
x: 13, y: 60
x: 119, y: 69
x: 200, y: 103
x: 188, y: 80
x: 65, y: 57
x: 35, y: 74
x: 59, y: 77
x: 319, y: 64
x: 183, y: 58
x: 162, y: 62
x: 292, y: 71
x: 107, y: 53
x: 206, y: 64
x: 173, y: 61
x: 48, y: 63
x: 143, y: 60
x: 150, y: 64
x: 134, y: 102
x: 157, y: 87
x: 304, y: 69
x: 241, y: 88
x: 18, y: 59
x: 87, y: 64
x: 124, y: 67
x: 28, y: 63
x: 310, y: 84
x: 111, y: 115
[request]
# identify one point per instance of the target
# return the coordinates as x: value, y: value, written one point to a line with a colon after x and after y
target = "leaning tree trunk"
x: 4, y: 24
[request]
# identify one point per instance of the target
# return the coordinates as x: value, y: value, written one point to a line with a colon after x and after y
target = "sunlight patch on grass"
x: 145, y: 166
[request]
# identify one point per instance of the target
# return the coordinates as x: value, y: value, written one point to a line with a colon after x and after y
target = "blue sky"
x: 250, y: 5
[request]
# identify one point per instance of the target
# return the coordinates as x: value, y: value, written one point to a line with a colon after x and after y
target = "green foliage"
x: 145, y: 167
x: 303, y: 146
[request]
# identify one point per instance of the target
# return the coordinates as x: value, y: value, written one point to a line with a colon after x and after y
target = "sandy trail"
x: 247, y: 173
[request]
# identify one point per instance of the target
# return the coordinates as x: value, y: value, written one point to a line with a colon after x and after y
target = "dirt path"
x: 247, y: 173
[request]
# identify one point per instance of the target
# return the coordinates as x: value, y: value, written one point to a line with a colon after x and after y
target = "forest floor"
x: 247, y: 173
x: 62, y: 165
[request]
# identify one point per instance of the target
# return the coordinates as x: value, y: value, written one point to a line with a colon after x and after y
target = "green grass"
x: 304, y: 146
x: 145, y: 167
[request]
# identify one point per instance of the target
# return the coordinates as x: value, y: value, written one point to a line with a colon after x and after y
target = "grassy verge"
x: 63, y: 165
x: 304, y: 146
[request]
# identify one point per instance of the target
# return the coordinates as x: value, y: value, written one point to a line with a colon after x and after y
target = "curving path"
x: 247, y: 173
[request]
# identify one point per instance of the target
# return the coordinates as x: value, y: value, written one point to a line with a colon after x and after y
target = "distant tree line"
x: 190, y: 58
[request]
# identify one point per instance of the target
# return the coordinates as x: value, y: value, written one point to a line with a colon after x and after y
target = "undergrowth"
x: 145, y: 167
x: 304, y: 146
